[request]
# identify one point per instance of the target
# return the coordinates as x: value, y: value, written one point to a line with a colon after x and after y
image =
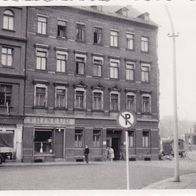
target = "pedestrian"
x: 106, y: 153
x: 86, y: 153
x: 111, y: 153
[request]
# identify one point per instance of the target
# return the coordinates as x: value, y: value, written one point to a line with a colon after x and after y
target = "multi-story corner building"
x: 12, y: 77
x: 84, y: 66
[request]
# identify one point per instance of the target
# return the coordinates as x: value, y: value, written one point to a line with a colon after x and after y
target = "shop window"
x: 97, y: 36
x: 61, y: 29
x: 96, y: 138
x: 43, y: 141
x: 8, y: 20
x: 78, y: 138
x: 7, y: 56
x: 5, y: 95
x: 145, y: 139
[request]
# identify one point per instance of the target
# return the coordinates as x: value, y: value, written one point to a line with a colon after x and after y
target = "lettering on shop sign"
x: 49, y: 121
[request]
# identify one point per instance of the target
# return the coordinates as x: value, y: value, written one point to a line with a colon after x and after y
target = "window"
x: 130, y: 71
x: 8, y: 20
x: 146, y: 103
x: 114, y: 38
x: 145, y: 71
x: 61, y: 61
x: 41, y: 25
x: 43, y: 141
x: 5, y: 95
x: 114, y: 102
x: 80, y: 64
x: 80, y: 99
x: 7, y: 56
x: 78, y: 138
x: 131, y: 138
x: 114, y: 66
x: 40, y: 95
x: 41, y: 59
x: 131, y: 102
x: 97, y: 100
x: 130, y: 41
x: 60, y: 97
x: 96, y: 138
x: 80, y: 32
x: 97, y: 36
x: 145, y: 139
x: 144, y: 44
x: 97, y: 66
x: 61, y: 29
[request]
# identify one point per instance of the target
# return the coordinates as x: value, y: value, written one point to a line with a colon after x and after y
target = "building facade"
x: 12, y: 77
x: 84, y: 66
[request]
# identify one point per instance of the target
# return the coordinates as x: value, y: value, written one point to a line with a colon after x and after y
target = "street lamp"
x: 173, y: 36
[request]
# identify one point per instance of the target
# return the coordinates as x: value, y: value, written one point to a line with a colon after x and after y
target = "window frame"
x: 43, y: 51
x: 128, y: 70
x: 130, y: 40
x: 135, y: 101
x: 93, y: 101
x: 62, y: 54
x: 145, y: 75
x: 101, y: 59
x: 99, y: 32
x: 35, y: 95
x: 145, y: 44
x: 7, y: 56
x: 113, y: 68
x: 146, y: 144
x: 8, y: 16
x: 118, y: 104
x: 96, y: 143
x: 81, y: 56
x: 150, y: 104
x: 6, y: 94
x: 65, y: 97
x: 42, y: 26
x: 80, y: 32
x: 84, y: 99
x: 114, y: 39
x: 65, y: 28
x: 78, y: 143
x: 131, y: 134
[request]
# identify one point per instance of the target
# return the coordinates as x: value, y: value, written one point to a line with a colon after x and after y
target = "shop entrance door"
x: 59, y: 143
x: 116, y: 147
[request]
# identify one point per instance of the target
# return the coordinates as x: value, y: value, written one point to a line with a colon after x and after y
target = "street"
x: 95, y: 175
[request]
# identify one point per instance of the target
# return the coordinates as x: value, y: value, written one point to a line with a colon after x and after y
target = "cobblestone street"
x: 95, y: 175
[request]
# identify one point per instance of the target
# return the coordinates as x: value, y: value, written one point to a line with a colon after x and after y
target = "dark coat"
x: 86, y: 151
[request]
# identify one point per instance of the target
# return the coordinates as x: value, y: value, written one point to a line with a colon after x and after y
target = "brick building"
x: 12, y: 76
x: 83, y: 66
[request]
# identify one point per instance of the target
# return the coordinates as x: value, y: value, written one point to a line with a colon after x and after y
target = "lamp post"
x: 173, y: 35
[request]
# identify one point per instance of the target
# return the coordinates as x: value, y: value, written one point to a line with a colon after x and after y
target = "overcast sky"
x: 184, y: 18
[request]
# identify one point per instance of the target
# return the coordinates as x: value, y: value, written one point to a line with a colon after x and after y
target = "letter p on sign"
x: 126, y: 119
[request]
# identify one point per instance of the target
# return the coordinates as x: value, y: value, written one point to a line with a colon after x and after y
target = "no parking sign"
x: 126, y: 119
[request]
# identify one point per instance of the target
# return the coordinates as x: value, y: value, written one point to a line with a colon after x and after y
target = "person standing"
x: 86, y: 153
x: 111, y: 153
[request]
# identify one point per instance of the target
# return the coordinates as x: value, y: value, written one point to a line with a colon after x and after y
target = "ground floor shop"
x: 61, y: 138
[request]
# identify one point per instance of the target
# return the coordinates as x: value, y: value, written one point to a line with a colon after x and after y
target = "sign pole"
x: 127, y: 158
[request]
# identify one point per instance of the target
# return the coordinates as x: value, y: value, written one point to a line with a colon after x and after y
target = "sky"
x: 184, y: 19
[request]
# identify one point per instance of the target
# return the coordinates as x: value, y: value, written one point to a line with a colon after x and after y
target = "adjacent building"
x: 83, y: 65
x: 12, y: 77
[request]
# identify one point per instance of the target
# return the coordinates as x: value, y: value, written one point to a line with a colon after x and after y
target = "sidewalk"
x: 187, y: 181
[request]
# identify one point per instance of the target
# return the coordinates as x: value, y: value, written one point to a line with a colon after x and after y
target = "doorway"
x: 59, y: 143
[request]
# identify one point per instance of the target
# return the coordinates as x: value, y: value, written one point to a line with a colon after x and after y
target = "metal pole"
x: 127, y: 158
x: 173, y: 36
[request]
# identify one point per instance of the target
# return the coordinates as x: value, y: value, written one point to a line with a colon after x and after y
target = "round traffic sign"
x: 126, y: 119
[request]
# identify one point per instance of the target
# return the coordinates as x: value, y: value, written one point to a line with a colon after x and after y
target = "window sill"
x: 4, y: 106
x: 114, y: 78
x: 41, y: 70
x: 43, y: 154
x: 7, y: 66
x: 62, y: 73
x: 145, y: 82
x: 115, y: 47
x: 145, y: 52
x: 130, y: 80
x: 10, y: 30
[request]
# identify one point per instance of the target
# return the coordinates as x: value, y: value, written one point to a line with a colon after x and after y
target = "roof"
x: 132, y: 13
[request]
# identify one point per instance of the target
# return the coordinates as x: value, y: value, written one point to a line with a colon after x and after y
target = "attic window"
x: 145, y: 16
x: 123, y: 11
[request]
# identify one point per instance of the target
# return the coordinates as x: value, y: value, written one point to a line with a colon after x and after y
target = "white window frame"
x: 131, y: 94
x: 130, y: 41
x: 102, y: 94
x: 42, y: 50
x: 80, y: 56
x: 78, y: 143
x: 46, y: 95
x: 80, y: 38
x: 117, y: 93
x: 150, y: 97
x: 84, y: 100
x: 114, y: 75
x: 96, y: 143
x: 144, y: 44
x: 42, y: 25
x: 102, y: 61
x: 61, y: 88
x: 114, y: 38
x: 8, y: 20
x: 7, y: 58
x: 62, y: 23
x: 143, y: 74
x: 146, y: 139
x: 62, y: 53
x: 130, y: 63
x: 99, y: 34
x: 131, y: 139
